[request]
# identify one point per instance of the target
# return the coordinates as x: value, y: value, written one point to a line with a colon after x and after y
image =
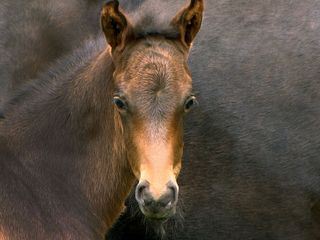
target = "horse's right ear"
x: 114, y: 25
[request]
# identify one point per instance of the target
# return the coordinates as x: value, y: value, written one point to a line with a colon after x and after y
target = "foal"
x: 73, y: 142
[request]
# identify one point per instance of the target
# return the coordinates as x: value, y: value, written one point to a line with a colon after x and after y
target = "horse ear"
x: 189, y: 21
x: 114, y: 25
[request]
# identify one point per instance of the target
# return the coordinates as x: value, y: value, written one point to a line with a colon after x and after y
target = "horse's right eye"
x: 120, y: 103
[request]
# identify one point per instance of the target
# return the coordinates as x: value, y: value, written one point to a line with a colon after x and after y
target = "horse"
x: 31, y: 46
x: 44, y: 31
x: 35, y: 34
x: 74, y: 140
x: 251, y: 161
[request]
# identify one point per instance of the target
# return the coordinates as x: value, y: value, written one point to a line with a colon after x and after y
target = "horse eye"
x: 120, y: 104
x: 190, y: 102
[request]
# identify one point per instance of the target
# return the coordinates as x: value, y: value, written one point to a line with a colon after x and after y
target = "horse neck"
x: 80, y: 143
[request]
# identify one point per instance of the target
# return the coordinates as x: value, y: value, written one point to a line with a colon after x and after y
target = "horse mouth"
x: 161, y: 215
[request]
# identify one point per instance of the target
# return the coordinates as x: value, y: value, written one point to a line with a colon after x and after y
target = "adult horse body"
x: 74, y: 140
x: 251, y: 161
x: 35, y: 33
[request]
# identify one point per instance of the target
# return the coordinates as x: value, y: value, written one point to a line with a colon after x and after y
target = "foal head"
x: 152, y: 94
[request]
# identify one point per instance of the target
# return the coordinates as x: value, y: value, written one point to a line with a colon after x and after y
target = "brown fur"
x: 68, y: 156
x: 157, y: 106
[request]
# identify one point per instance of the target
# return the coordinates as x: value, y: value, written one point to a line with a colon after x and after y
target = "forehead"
x: 153, y: 69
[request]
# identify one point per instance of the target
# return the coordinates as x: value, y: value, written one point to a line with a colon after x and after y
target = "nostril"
x: 173, y: 188
x: 140, y: 191
x: 170, y: 198
x: 148, y: 202
x: 174, y: 194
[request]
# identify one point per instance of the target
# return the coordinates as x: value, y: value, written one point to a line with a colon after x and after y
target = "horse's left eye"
x: 190, y: 102
x: 120, y: 103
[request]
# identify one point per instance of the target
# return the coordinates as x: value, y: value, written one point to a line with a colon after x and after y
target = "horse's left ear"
x: 188, y: 21
x: 114, y: 25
